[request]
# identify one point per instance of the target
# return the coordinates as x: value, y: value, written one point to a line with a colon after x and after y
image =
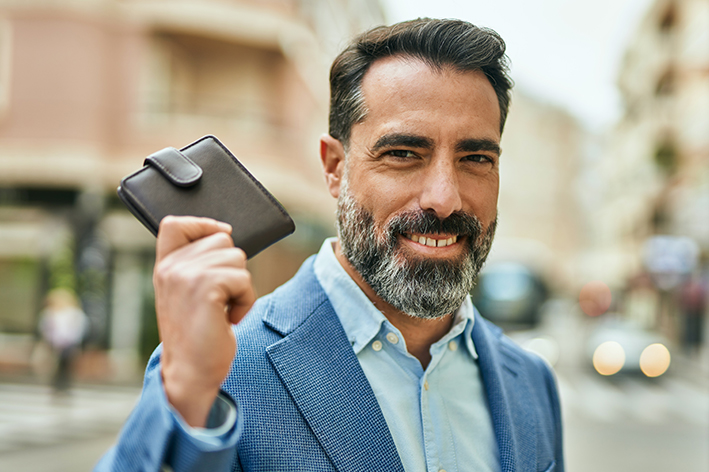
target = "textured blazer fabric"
x: 304, y: 403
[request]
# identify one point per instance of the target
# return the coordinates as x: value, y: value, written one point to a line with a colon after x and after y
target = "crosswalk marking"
x: 30, y: 415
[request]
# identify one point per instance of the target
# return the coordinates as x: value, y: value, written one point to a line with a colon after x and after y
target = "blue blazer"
x: 304, y: 403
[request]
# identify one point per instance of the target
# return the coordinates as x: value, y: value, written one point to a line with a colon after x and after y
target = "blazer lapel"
x: 319, y: 369
x: 507, y: 389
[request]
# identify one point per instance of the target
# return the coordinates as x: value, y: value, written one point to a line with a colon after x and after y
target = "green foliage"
x: 62, y: 271
x: 666, y: 157
x: 18, y: 295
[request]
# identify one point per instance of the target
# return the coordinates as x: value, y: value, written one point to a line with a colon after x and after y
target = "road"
x: 624, y: 424
x: 41, y: 432
x: 634, y: 424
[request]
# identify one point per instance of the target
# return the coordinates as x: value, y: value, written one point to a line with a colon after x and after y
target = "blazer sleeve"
x: 553, y: 389
x: 153, y: 438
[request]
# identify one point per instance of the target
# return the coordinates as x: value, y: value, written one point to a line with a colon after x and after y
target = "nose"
x: 441, y: 191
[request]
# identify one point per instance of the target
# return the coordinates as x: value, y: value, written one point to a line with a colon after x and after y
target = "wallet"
x: 205, y: 179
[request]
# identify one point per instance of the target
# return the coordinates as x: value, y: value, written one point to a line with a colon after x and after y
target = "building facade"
x: 89, y: 88
x: 540, y: 219
x: 654, y: 200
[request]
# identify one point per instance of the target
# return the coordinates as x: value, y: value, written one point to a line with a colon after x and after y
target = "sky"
x: 566, y: 52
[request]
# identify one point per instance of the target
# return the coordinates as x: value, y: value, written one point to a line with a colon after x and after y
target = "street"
x: 41, y: 432
x: 634, y: 424
x: 624, y: 425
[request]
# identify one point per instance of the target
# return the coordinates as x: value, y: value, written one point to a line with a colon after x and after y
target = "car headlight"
x: 608, y: 358
x: 654, y: 360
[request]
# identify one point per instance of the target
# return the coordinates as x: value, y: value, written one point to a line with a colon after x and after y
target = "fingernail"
x: 224, y: 226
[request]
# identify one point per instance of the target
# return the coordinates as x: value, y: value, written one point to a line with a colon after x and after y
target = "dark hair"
x: 438, y: 43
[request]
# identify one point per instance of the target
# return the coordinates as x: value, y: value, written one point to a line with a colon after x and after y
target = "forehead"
x: 405, y: 92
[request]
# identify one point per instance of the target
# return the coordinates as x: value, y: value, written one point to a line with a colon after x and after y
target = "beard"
x: 418, y: 286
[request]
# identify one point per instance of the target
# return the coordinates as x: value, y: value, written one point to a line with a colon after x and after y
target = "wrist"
x: 190, y: 398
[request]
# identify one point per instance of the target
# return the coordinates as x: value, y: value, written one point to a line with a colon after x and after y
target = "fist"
x: 202, y: 287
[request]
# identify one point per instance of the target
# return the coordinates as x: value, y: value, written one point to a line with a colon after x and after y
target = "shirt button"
x: 425, y: 385
x: 442, y: 470
x: 377, y: 345
x: 452, y: 346
x: 392, y: 338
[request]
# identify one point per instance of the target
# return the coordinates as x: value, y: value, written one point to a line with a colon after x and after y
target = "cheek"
x: 481, y: 198
x: 383, y: 197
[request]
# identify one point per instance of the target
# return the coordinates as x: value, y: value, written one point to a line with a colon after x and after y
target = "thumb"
x: 177, y: 231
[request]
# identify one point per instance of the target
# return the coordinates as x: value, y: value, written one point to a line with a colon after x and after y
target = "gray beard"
x: 420, y: 287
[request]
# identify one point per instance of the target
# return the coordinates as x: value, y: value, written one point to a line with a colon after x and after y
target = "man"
x: 372, y: 357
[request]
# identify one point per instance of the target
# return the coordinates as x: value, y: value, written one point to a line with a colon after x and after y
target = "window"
x: 668, y: 19
x: 199, y: 77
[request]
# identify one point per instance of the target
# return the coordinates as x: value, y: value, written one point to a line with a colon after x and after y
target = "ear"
x: 332, y: 157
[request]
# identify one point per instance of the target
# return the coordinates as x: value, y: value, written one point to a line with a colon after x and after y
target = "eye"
x: 401, y: 153
x: 479, y: 159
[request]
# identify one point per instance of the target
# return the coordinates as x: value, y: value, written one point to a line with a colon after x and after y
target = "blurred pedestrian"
x: 692, y: 303
x: 642, y: 302
x: 63, y: 326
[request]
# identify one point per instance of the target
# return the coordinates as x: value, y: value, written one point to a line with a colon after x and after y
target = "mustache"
x: 459, y: 223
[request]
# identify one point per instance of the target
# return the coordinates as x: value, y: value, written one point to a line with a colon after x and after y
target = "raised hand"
x: 202, y: 287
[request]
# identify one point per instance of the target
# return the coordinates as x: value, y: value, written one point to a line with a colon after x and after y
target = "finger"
x: 239, y: 306
x: 227, y: 257
x: 178, y: 231
x: 196, y: 250
x: 210, y: 258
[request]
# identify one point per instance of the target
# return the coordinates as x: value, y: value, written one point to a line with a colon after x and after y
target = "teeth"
x: 430, y: 242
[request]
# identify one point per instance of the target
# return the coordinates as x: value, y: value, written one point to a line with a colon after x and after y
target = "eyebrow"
x: 407, y: 140
x: 415, y: 141
x: 473, y: 145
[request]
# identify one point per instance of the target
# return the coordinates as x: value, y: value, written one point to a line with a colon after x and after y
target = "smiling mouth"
x: 431, y: 241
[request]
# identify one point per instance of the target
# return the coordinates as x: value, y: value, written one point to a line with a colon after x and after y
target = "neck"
x: 418, y: 333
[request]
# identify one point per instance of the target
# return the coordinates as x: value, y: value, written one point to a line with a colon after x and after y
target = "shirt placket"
x: 428, y: 388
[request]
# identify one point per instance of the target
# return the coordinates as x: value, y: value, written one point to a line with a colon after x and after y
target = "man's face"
x: 417, y: 195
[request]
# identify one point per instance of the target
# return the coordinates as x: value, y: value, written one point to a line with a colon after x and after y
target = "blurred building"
x: 654, y: 179
x: 89, y: 88
x: 540, y: 223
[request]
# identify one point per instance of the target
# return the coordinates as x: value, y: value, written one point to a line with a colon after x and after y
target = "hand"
x: 201, y: 288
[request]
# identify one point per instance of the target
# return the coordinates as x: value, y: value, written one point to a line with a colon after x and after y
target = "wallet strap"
x: 175, y: 166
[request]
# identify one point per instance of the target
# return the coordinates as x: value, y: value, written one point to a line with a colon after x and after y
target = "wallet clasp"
x: 175, y: 166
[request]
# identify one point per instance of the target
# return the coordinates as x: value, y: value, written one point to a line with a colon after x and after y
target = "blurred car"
x: 619, y: 346
x: 509, y: 294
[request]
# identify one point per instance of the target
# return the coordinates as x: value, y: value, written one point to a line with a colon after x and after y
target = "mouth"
x: 432, y: 240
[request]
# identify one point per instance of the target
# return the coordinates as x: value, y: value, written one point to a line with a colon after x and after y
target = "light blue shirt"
x: 438, y: 417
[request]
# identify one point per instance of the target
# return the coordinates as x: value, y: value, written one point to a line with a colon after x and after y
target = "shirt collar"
x: 361, y: 320
x: 358, y: 315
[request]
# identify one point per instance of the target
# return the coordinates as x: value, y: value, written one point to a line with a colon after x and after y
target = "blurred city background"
x: 601, y: 262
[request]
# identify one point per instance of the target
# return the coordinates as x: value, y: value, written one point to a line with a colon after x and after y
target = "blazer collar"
x: 508, y: 392
x: 319, y: 369
x: 293, y: 302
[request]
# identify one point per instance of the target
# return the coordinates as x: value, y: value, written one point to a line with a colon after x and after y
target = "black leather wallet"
x: 205, y: 179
